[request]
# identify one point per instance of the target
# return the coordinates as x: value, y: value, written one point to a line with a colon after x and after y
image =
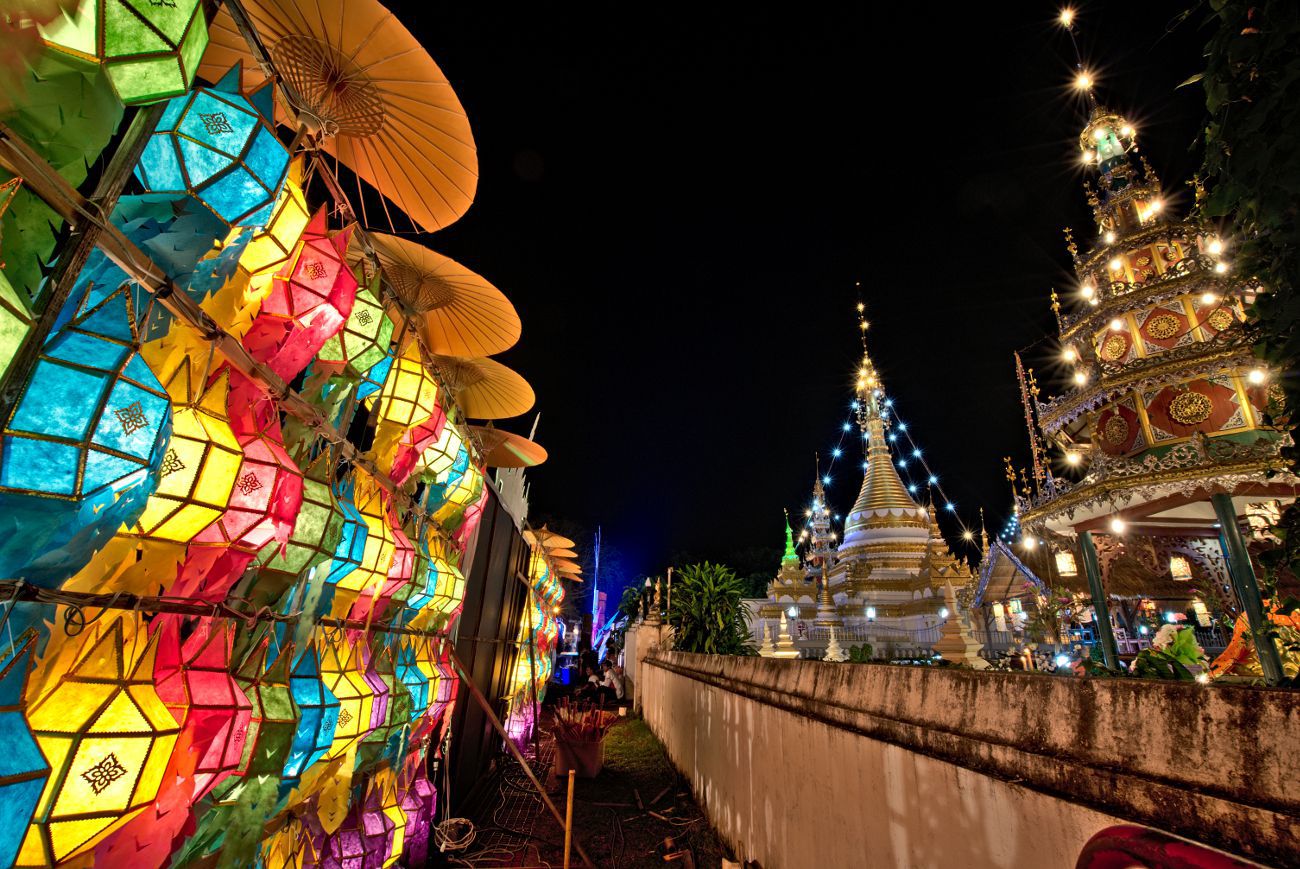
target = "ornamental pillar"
x: 1105, y: 634
x: 1242, y: 573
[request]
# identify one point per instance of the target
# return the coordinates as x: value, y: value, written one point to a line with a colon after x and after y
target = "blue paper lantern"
x: 218, y: 146
x: 414, y: 680
x: 23, y: 769
x: 82, y: 451
x: 318, y: 714
x: 352, y: 545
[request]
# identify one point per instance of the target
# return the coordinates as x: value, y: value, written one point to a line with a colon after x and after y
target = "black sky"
x: 679, y: 201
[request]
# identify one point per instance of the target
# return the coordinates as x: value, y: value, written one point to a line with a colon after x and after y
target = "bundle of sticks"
x: 582, y: 721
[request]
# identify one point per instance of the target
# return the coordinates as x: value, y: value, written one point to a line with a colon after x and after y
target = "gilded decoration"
x: 1116, y: 431
x: 1162, y: 327
x: 1114, y: 347
x: 1221, y: 319
x: 1190, y: 408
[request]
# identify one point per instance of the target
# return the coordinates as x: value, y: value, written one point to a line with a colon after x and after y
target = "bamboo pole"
x: 510, y: 746
x: 568, y: 823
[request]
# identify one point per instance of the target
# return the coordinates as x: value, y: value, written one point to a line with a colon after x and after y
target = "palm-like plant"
x: 707, y: 611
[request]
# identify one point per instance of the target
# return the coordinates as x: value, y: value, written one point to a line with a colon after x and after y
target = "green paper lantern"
x: 316, y: 534
x: 363, y: 341
x: 149, y: 48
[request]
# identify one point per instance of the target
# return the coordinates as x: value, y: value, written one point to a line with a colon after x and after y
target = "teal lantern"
x: 318, y: 714
x: 149, y: 48
x: 410, y: 674
x: 82, y: 451
x: 218, y: 146
x: 23, y: 769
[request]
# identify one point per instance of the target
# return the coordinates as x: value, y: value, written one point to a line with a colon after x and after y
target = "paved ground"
x: 634, y: 814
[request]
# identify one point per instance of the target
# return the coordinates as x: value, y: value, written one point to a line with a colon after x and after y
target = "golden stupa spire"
x: 881, y: 487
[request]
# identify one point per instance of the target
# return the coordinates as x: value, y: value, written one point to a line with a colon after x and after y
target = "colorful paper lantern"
x: 290, y: 847
x: 342, y: 672
x: 317, y: 532
x: 397, y: 578
x: 371, y: 574
x: 363, y: 341
x: 198, y: 689
x: 413, y: 677
x: 311, y: 298
x: 82, y: 450
x: 273, y: 720
x: 107, y: 737
x: 23, y: 770
x: 408, y: 398
x: 149, y: 48
x: 351, y: 550
x: 419, y: 801
x: 389, y: 739
x: 318, y: 714
x: 200, y: 465
x: 383, y: 822
x: 218, y: 146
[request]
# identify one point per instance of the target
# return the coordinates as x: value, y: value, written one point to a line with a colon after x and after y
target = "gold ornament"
x: 1190, y: 408
x: 1115, y: 431
x: 1221, y: 319
x: 1162, y: 327
x: 1114, y: 348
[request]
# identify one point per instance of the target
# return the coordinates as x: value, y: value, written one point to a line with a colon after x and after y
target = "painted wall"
x: 806, y: 764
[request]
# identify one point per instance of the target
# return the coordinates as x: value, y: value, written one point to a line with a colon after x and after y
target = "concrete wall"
x: 807, y: 764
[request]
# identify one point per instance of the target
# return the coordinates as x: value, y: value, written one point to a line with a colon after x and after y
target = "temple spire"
x: 790, y: 557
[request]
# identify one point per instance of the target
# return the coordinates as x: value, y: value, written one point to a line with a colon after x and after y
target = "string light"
x: 1083, y: 81
x: 1118, y: 525
x: 1257, y: 376
x: 1215, y: 247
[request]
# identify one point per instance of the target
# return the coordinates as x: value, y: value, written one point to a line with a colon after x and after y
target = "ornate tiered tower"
x: 891, y: 567
x: 1166, y: 406
x: 793, y: 586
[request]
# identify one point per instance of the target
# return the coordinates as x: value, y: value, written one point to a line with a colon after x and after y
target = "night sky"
x: 679, y: 202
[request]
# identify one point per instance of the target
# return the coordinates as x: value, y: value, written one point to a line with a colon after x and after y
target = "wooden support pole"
x: 568, y: 823
x: 1242, y: 573
x: 512, y: 748
x: 1105, y: 635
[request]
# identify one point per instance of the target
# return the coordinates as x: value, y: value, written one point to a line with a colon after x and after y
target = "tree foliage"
x: 707, y: 611
x: 1252, y: 179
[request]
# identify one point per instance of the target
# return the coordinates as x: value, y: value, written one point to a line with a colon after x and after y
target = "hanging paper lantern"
x: 381, y: 689
x: 316, y: 535
x: 409, y: 397
x: 351, y: 550
x: 290, y: 847
x: 389, y: 738
x: 273, y: 719
x: 450, y: 591
x: 463, y: 488
x: 107, y: 737
x: 218, y: 146
x: 23, y: 771
x: 413, y: 677
x: 399, y: 573
x: 371, y: 574
x: 311, y: 298
x: 469, y: 521
x: 318, y: 714
x: 438, y: 459
x: 82, y: 451
x: 363, y: 341
x: 419, y: 801
x: 263, y: 506
x: 199, y: 690
x: 383, y: 823
x: 149, y: 48
x: 200, y: 465
x: 342, y: 673
x: 444, y: 694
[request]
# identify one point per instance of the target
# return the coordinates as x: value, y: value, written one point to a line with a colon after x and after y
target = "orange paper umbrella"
x: 484, y: 388
x: 503, y: 449
x: 563, y: 565
x: 458, y: 312
x: 563, y: 553
x: 548, y: 538
x: 370, y: 94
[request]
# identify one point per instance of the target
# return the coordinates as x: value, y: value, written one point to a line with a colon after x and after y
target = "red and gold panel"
x: 1168, y: 253
x: 1164, y: 327
x: 1142, y: 264
x: 1209, y: 405
x: 1114, y: 346
x: 1261, y: 395
x: 1118, y: 428
x: 1216, y: 316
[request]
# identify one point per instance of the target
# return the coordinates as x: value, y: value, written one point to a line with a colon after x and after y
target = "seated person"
x: 611, y: 683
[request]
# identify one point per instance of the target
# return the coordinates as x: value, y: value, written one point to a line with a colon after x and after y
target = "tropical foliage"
x: 707, y: 612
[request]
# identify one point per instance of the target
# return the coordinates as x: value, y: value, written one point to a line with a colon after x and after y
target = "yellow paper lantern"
x: 289, y: 847
x: 107, y: 737
x: 342, y: 671
x: 409, y: 397
x: 376, y: 561
x: 200, y: 465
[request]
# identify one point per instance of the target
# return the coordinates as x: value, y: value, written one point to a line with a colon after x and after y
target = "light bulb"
x: 1110, y: 238
x: 1083, y: 81
x: 1067, y: 16
x: 968, y: 535
x: 1089, y: 291
x: 1081, y: 377
x: 1257, y: 376
x: 1087, y: 156
x: 1116, y: 264
x: 1030, y: 543
x: 1116, y: 325
x: 1126, y: 131
x: 943, y: 612
x: 1118, y: 525
x: 1156, y: 206
x: 1221, y: 267
x: 1073, y: 458
x: 1071, y: 355
x: 1099, y: 134
x: 1209, y: 299
x: 1215, y: 247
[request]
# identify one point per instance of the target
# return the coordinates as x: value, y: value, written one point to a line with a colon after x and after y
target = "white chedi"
x: 834, y: 652
x: 765, y: 648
